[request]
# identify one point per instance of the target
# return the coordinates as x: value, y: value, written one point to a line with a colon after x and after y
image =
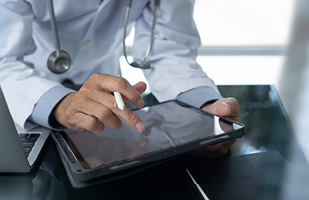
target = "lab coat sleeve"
x: 173, y: 55
x: 46, y: 104
x: 197, y: 97
x: 22, y: 85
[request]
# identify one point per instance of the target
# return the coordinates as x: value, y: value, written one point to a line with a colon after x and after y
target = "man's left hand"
x: 228, y: 108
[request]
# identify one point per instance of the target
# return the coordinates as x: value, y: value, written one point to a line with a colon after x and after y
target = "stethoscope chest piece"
x: 59, y: 62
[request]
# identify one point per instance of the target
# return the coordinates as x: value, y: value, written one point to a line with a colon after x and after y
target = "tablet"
x: 173, y: 129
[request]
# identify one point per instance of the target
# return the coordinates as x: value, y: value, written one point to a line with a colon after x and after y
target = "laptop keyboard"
x: 28, y: 140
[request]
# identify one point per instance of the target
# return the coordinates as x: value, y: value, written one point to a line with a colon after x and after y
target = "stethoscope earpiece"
x: 59, y: 62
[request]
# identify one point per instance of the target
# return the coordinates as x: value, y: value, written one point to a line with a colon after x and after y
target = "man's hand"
x: 94, y: 104
x: 229, y: 108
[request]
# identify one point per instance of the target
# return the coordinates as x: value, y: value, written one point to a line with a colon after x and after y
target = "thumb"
x: 221, y: 108
x: 227, y: 107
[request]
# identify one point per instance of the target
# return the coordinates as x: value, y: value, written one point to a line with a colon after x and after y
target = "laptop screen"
x: 168, y: 125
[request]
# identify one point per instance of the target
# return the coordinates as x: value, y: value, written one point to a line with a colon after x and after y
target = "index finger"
x: 131, y: 118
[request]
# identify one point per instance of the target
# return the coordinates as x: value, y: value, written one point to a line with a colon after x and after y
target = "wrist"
x: 57, y: 116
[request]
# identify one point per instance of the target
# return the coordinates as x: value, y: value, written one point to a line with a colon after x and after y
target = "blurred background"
x: 255, y: 42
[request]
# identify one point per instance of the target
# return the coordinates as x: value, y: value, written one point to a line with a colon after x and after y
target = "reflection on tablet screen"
x: 168, y: 125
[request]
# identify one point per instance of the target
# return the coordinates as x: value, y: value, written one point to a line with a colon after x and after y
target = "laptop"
x: 173, y: 129
x: 19, y: 149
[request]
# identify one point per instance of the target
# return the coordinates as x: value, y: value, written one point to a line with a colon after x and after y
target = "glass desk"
x: 267, y: 163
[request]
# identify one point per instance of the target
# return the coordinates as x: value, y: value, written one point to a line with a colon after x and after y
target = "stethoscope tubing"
x: 54, y: 25
x: 56, y: 59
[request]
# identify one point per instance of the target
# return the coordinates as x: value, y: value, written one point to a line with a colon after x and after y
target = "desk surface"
x: 267, y: 130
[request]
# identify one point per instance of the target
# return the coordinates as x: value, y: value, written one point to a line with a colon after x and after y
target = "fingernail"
x: 140, y: 103
x: 140, y: 126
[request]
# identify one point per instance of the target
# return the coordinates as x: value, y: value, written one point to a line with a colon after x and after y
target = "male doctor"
x: 91, y: 31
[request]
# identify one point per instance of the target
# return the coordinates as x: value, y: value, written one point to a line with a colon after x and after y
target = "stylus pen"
x: 119, y: 100
x: 198, y: 186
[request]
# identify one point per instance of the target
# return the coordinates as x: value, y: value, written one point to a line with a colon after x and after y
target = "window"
x: 243, y: 22
x: 242, y: 41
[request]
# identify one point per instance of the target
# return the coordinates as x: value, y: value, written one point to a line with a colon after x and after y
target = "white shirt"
x: 91, y: 32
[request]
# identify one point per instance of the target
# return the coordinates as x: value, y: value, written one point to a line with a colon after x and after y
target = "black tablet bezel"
x: 77, y: 173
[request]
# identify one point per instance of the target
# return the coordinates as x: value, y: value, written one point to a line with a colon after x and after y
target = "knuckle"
x: 75, y: 127
x: 91, y: 123
x: 113, y: 104
x: 105, y: 113
x: 110, y: 103
x: 132, y: 119
x: 96, y: 76
x: 86, y: 87
x: 120, y: 83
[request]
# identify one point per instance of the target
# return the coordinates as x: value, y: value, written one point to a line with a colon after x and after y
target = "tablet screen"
x: 169, y: 125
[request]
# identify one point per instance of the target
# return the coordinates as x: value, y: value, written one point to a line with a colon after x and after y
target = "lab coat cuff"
x: 199, y: 96
x: 46, y: 104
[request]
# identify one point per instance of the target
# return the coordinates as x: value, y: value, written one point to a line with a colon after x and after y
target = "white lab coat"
x: 91, y: 32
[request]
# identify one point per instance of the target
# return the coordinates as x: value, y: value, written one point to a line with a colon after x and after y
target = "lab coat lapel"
x: 98, y: 14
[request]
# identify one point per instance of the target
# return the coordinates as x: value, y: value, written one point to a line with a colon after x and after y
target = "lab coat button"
x: 86, y: 45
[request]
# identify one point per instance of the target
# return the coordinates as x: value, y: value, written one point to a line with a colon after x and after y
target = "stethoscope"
x: 60, y: 61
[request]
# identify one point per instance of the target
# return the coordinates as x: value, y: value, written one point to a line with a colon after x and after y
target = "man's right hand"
x: 94, y: 104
